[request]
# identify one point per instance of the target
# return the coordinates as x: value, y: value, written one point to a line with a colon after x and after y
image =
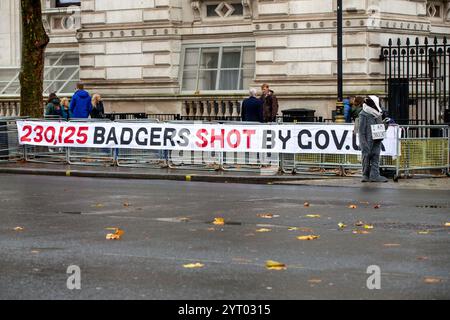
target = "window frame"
x: 58, y: 3
x: 219, y: 68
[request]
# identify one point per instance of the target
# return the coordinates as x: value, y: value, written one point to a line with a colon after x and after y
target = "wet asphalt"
x: 167, y: 225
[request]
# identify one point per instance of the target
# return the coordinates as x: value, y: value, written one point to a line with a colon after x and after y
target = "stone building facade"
x: 199, y: 57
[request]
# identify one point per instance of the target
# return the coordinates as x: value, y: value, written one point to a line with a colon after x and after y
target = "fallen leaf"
x: 307, y: 238
x: 219, y: 221
x: 352, y: 206
x: 18, y: 229
x: 184, y: 219
x: 211, y: 229
x: 377, y: 206
x: 313, y: 216
x: 447, y: 224
x: 263, y: 230
x: 341, y: 225
x: 422, y: 258
x: 126, y: 204
x: 35, y: 251
x: 359, y: 223
x: 274, y: 265
x: 432, y: 280
x: 193, y: 265
x: 368, y: 226
x: 306, y: 204
x: 423, y: 232
x: 116, y: 235
x: 267, y: 215
x: 315, y: 280
x: 98, y: 205
x: 360, y: 232
x: 293, y: 229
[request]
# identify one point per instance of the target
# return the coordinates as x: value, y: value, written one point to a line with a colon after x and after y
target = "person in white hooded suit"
x: 371, y: 114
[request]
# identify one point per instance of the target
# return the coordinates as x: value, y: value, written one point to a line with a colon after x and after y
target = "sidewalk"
x: 243, y: 177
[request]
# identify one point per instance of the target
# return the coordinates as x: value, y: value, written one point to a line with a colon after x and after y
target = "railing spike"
x: 426, y: 40
x: 435, y: 41
x: 408, y: 42
x: 444, y: 41
x: 417, y: 41
x: 399, y: 41
x: 390, y: 42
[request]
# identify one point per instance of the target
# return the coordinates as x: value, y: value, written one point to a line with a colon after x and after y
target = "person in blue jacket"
x: 252, y: 108
x: 347, y: 111
x: 80, y: 105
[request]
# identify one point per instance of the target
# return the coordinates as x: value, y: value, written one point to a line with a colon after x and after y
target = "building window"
x: 218, y: 68
x: 225, y: 9
x: 67, y: 3
x: 435, y: 9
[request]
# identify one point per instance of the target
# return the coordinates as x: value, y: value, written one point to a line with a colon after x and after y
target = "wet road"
x: 168, y: 224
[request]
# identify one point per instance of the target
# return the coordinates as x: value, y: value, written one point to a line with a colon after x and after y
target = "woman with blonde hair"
x: 65, y: 112
x: 98, y: 110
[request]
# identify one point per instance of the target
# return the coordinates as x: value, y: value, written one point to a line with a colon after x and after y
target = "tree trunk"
x: 34, y: 41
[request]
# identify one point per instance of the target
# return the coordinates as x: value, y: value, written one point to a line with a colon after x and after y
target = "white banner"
x: 295, y: 138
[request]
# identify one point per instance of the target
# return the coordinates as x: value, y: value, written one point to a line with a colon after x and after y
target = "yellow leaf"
x: 193, y: 265
x: 293, y: 228
x: 263, y: 230
x: 360, y: 232
x: 423, y: 232
x: 18, y: 229
x: 368, y: 226
x: 307, y: 238
x: 352, y: 206
x: 341, y: 225
x: 267, y: 215
x: 98, y: 205
x: 359, y: 223
x: 313, y: 216
x: 447, y: 224
x: 315, y: 281
x: 219, y: 221
x: 432, y: 280
x: 274, y: 265
x: 126, y: 204
x: 116, y: 235
x: 306, y: 204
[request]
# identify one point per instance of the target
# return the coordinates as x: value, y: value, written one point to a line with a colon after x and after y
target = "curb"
x: 190, y: 177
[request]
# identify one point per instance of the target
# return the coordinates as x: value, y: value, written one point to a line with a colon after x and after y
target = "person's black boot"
x: 365, y: 179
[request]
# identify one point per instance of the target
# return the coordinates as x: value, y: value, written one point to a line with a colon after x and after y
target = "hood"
x: 82, y: 94
x: 55, y: 101
x: 376, y: 100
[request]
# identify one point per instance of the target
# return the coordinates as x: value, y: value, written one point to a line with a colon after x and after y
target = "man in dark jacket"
x: 80, y: 105
x: 252, y: 108
x: 270, y: 104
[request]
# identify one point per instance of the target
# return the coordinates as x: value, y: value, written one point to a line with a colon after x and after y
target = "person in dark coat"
x: 53, y: 109
x: 80, y: 105
x: 252, y: 108
x: 270, y: 104
x: 370, y: 147
x: 98, y: 111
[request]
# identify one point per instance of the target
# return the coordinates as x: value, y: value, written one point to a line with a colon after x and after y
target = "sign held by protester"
x: 295, y: 138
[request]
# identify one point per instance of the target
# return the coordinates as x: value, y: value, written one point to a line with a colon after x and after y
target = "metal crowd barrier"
x: 422, y: 148
x: 10, y: 149
x: 91, y: 156
x: 42, y: 154
x: 140, y: 157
